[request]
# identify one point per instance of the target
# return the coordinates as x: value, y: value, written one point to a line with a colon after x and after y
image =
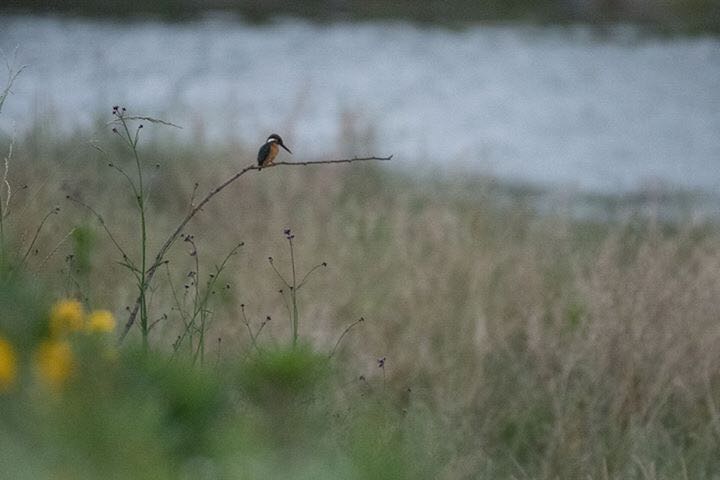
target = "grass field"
x: 497, y: 342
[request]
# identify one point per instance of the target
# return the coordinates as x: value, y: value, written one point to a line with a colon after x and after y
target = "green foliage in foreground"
x: 128, y: 414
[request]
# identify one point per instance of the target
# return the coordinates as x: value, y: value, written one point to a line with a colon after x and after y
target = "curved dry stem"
x: 100, y: 219
x: 305, y: 278
x: 345, y: 332
x: 56, y: 248
x: 277, y: 272
x: 176, y: 233
x: 54, y: 211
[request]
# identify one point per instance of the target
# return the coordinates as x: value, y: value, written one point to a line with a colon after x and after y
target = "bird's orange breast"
x: 272, y: 154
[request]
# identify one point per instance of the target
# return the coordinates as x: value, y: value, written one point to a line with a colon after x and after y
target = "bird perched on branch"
x: 269, y: 150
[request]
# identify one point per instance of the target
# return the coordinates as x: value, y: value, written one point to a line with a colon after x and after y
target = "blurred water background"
x: 608, y: 110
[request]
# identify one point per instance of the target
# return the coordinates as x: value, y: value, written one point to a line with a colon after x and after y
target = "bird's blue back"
x: 263, y: 153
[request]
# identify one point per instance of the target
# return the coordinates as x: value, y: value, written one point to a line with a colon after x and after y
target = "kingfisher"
x: 269, y: 150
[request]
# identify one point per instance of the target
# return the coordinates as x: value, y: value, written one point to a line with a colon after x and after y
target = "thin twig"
x: 8, y: 190
x: 247, y: 324
x: 54, y: 211
x: 164, y: 316
x: 100, y: 219
x: 200, y: 301
x: 302, y: 282
x: 345, y: 332
x: 173, y: 236
x: 112, y: 165
x: 287, y: 305
x: 12, y: 76
x: 147, y: 119
x: 272, y: 264
x: 262, y: 325
x: 192, y: 196
x: 56, y: 248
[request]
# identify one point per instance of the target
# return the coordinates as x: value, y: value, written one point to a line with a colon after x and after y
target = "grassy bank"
x: 677, y: 16
x: 514, y: 344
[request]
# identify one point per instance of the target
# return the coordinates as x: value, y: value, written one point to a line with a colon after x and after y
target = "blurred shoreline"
x: 43, y: 149
x: 684, y: 16
x: 548, y: 106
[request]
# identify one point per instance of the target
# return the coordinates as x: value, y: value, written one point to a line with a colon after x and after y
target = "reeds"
x: 513, y: 344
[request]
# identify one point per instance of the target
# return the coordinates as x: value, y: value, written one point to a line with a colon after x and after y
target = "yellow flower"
x: 100, y: 321
x: 55, y: 362
x: 66, y: 316
x: 8, y: 365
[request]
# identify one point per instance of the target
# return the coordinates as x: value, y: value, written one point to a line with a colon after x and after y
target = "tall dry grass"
x: 531, y: 346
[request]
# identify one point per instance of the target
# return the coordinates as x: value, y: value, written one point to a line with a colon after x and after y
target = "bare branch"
x: 12, y: 76
x: 173, y: 236
x: 147, y: 119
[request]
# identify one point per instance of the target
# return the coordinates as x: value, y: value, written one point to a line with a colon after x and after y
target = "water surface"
x: 553, y: 106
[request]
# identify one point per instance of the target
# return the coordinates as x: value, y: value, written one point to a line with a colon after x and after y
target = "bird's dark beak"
x: 286, y: 148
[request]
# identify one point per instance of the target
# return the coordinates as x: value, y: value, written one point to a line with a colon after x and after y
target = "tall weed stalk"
x: 293, y: 286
